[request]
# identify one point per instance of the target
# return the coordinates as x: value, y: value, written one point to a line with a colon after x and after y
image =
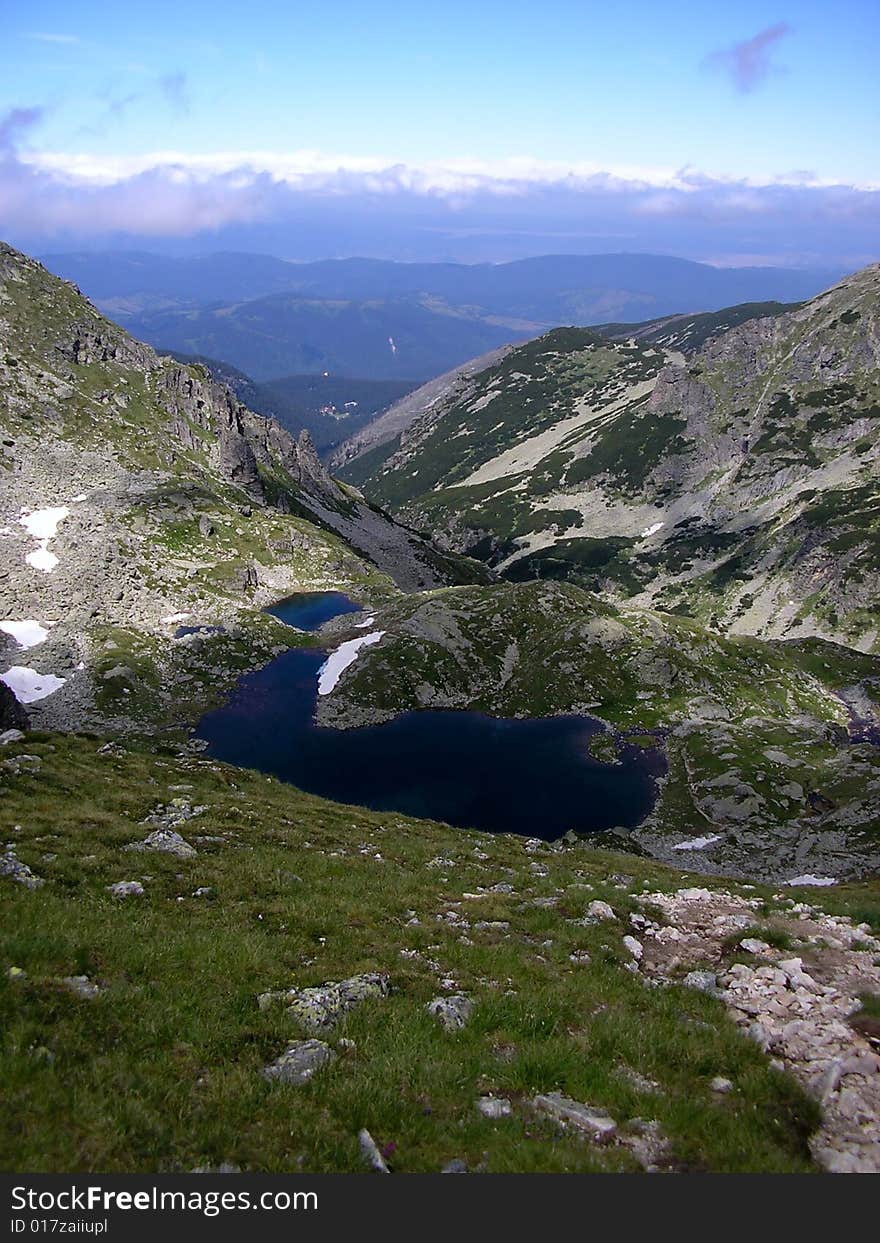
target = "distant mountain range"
x: 380, y: 320
x: 284, y: 335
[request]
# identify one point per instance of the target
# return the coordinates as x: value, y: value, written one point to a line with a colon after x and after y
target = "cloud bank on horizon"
x: 308, y: 204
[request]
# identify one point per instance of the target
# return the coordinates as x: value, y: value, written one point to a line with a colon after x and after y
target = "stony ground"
x: 795, y: 1006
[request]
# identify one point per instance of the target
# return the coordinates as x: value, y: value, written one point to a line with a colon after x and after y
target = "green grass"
x: 162, y: 1071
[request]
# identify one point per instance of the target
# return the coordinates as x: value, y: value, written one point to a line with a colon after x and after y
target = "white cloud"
x: 339, y: 203
x: 315, y: 170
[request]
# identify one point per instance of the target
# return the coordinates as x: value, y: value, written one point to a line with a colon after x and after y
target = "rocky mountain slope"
x: 689, y: 333
x: 364, y: 451
x: 330, y: 408
x: 137, y: 494
x: 317, y: 987
x: 737, y: 486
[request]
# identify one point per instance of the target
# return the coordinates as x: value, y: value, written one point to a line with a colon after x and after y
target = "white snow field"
x: 43, y: 525
x: 26, y: 633
x: 346, y: 654
x: 28, y: 686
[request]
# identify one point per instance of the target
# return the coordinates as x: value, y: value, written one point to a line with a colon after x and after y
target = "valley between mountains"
x: 671, y: 528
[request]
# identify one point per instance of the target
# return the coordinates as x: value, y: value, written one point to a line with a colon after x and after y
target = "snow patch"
x: 42, y: 559
x: 26, y: 633
x: 699, y: 843
x: 362, y: 625
x: 809, y: 879
x: 174, y: 617
x: 43, y: 525
x: 346, y: 654
x: 652, y: 529
x: 28, y: 686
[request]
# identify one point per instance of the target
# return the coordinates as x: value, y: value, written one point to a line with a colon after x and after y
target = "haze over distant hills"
x: 377, y: 319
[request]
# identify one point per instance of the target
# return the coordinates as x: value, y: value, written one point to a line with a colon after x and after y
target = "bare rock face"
x: 12, y: 714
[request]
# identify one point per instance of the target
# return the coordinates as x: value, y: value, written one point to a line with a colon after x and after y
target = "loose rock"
x: 453, y: 1012
x: 126, y: 889
x: 600, y: 1127
x: 299, y: 1062
x: 166, y: 841
x: 494, y: 1107
x: 371, y: 1154
x: 321, y: 1008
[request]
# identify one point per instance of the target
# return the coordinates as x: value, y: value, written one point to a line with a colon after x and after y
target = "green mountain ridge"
x: 736, y: 486
x: 282, y: 334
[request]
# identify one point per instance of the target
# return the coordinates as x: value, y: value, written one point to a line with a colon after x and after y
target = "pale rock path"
x: 795, y: 1003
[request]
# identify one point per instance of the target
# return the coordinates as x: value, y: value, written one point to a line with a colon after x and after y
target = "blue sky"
x: 517, y: 95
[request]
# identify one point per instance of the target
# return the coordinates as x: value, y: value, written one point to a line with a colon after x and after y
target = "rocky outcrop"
x: 798, y: 1006
x: 167, y: 499
x: 12, y: 714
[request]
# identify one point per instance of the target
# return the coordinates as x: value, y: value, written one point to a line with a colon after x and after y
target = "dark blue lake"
x: 310, y: 609
x: 534, y: 777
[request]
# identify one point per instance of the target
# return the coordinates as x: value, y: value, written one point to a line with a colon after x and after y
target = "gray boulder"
x: 126, y: 889
x: 12, y: 866
x: 299, y: 1062
x: 595, y: 1124
x: 12, y: 714
x: 321, y: 1008
x: 166, y: 841
x: 453, y: 1012
x: 370, y: 1153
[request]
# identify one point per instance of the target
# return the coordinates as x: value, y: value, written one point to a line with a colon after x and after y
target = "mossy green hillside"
x: 530, y: 390
x: 161, y: 1071
x: 534, y: 649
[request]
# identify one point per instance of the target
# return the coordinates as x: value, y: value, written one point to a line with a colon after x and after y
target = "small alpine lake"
x: 531, y: 776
